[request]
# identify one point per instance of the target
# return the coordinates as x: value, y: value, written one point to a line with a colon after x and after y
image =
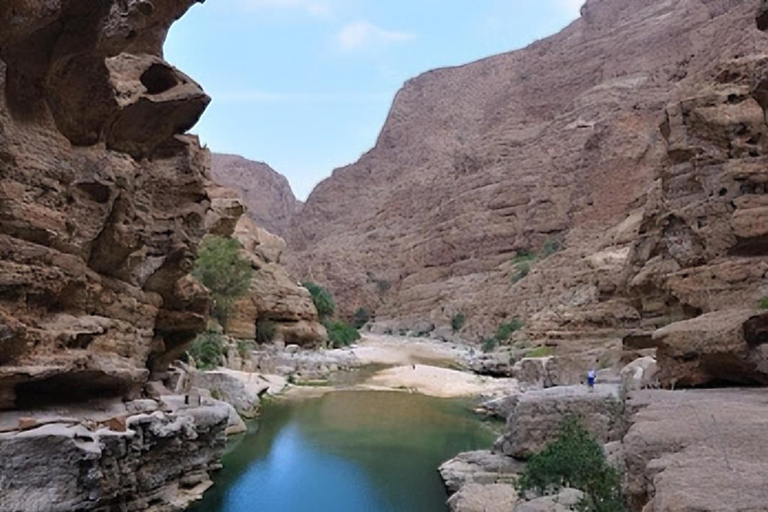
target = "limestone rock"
x: 538, y: 415
x: 102, y: 199
x: 698, y: 450
x: 266, y: 193
x: 564, y: 501
x: 483, y: 498
x: 725, y: 346
x: 480, y: 467
x: 566, y: 142
x: 639, y: 374
x: 159, y: 463
x: 274, y: 295
x: 241, y: 390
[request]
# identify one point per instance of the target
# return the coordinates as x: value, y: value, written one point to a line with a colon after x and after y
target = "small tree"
x: 265, y: 331
x: 326, y: 306
x: 207, y: 350
x: 576, y: 460
x: 360, y: 318
x: 340, y: 333
x: 506, y: 330
x: 458, y: 321
x: 221, y: 269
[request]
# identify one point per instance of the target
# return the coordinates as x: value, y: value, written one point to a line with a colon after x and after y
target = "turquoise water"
x: 346, y: 452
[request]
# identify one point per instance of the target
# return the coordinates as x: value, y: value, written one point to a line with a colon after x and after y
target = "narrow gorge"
x: 179, y: 332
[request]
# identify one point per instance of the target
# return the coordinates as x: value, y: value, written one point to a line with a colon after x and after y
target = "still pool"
x: 346, y: 452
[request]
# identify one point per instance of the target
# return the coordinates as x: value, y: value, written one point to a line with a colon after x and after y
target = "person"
x: 591, y: 377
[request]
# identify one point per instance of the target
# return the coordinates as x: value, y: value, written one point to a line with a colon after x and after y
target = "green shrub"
x: 360, y: 318
x: 490, y: 344
x: 340, y: 333
x: 521, y: 271
x: 207, y: 350
x: 458, y: 321
x: 244, y: 348
x: 540, y: 352
x: 221, y: 269
x: 764, y: 302
x: 576, y: 459
x: 505, y: 331
x: 551, y: 247
x: 524, y: 256
x: 326, y: 306
x: 265, y: 331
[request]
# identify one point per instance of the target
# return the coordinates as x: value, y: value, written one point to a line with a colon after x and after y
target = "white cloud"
x: 363, y: 33
x: 313, y: 7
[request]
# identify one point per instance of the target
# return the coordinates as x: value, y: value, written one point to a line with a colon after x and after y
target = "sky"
x: 306, y: 85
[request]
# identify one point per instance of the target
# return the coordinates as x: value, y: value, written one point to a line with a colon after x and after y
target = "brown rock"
x: 725, y: 346
x: 267, y: 194
x: 275, y: 296
x: 567, y: 140
x: 102, y: 199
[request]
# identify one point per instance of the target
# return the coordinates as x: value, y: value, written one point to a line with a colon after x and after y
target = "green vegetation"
x: 361, y: 317
x: 490, y: 344
x: 551, y: 247
x: 521, y: 271
x: 340, y: 333
x: 265, y: 331
x: 326, y: 306
x: 207, y: 350
x: 540, y: 352
x: 221, y: 269
x: 505, y: 331
x: 763, y: 303
x: 525, y: 256
x: 244, y: 348
x: 576, y: 459
x: 458, y: 321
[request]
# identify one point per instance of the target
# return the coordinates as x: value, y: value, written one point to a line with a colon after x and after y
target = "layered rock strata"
x: 103, y: 202
x: 266, y: 193
x: 626, y: 151
x: 275, y: 297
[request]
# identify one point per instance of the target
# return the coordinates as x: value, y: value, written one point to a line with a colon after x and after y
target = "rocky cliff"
x: 266, y: 193
x: 625, y: 152
x: 102, y: 205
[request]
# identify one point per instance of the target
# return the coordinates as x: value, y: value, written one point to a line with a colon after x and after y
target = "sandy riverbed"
x: 417, y: 365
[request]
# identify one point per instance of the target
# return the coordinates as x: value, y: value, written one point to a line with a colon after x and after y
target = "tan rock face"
x: 102, y: 199
x: 634, y: 137
x: 275, y: 296
x: 266, y: 193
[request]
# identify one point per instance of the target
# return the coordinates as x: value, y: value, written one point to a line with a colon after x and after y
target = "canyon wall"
x: 103, y: 202
x: 266, y: 193
x: 584, y: 148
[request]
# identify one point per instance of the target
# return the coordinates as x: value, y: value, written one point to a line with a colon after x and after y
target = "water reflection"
x: 347, y: 452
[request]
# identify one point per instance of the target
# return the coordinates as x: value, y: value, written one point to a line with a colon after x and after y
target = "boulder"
x: 639, y: 374
x: 241, y: 391
x: 700, y: 450
x: 483, y: 498
x: 723, y: 346
x: 480, y: 467
x: 565, y: 501
x: 538, y: 415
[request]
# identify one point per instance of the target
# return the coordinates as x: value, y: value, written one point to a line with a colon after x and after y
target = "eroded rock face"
x: 536, y: 419
x: 267, y: 194
x: 634, y: 139
x: 275, y: 296
x: 698, y: 450
x: 149, y: 462
x: 102, y: 199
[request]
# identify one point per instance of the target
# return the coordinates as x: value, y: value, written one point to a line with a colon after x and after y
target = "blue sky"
x: 305, y: 85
